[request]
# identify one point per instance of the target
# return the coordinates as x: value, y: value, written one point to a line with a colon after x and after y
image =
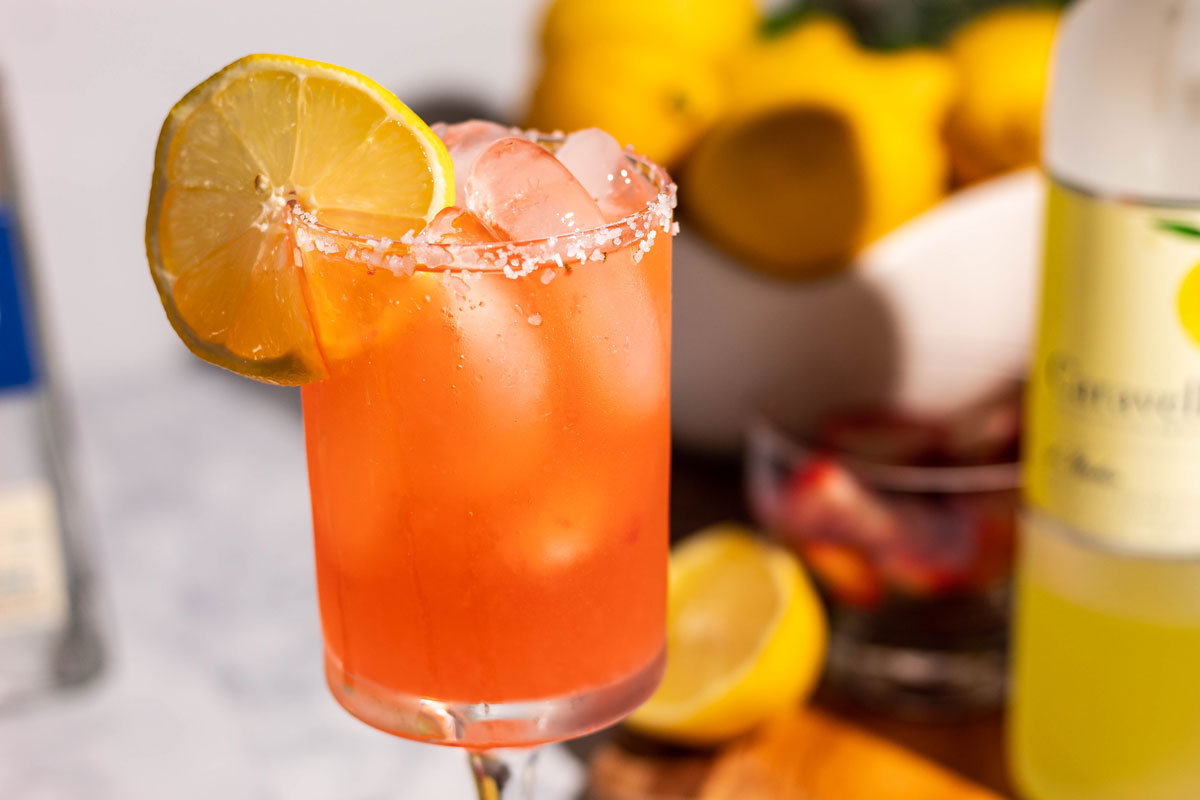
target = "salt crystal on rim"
x: 514, y: 259
x: 437, y: 257
x: 398, y: 265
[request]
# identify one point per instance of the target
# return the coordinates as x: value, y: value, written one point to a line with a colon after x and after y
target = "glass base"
x: 916, y: 683
x: 482, y: 726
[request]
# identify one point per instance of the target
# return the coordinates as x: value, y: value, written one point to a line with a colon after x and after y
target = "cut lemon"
x: 745, y: 639
x: 236, y: 156
x: 825, y: 148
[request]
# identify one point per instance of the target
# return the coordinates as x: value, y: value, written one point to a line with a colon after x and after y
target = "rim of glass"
x: 514, y: 258
x: 948, y: 479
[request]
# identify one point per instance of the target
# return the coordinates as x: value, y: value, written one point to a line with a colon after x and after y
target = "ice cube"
x: 571, y: 522
x: 619, y: 335
x: 456, y: 225
x: 523, y: 192
x: 465, y: 141
x: 604, y: 169
x: 480, y: 399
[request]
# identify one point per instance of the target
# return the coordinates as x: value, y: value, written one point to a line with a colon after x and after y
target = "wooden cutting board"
x: 808, y: 755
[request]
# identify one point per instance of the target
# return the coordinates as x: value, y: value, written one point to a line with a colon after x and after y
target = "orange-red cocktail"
x: 489, y: 474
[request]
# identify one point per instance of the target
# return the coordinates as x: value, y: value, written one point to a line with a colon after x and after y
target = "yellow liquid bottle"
x: 1107, y: 700
x: 1106, y: 683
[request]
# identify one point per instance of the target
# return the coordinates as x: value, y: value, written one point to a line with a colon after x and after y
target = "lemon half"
x: 746, y: 639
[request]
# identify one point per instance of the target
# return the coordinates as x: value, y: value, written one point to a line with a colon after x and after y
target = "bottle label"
x: 16, y: 354
x: 1113, y: 439
x: 33, y: 591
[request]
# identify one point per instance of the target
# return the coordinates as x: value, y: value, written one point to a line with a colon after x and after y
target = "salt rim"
x: 410, y: 254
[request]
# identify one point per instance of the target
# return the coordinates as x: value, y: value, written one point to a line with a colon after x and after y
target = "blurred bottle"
x: 1106, y: 696
x: 47, y: 632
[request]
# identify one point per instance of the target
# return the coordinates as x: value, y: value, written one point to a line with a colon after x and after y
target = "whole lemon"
x: 702, y: 28
x: 641, y: 94
x: 1002, y: 58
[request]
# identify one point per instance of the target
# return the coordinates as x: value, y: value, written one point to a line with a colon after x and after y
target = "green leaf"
x: 784, y: 19
x: 898, y: 24
x: 1180, y: 228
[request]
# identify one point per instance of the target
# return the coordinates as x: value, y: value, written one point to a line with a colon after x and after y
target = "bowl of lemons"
x: 859, y: 206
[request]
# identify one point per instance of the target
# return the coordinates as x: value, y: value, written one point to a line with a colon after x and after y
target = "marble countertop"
x: 196, y: 487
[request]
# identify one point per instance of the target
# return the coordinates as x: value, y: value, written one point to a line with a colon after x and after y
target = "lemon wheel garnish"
x: 745, y: 639
x: 266, y: 134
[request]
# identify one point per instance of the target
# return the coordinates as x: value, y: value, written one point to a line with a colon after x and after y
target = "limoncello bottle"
x: 1106, y: 689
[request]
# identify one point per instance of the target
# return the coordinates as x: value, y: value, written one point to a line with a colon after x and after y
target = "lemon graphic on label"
x: 1187, y: 302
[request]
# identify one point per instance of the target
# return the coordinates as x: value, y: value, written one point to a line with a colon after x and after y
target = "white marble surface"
x: 198, y: 493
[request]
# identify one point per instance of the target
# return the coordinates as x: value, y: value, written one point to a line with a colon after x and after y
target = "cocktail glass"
x: 488, y: 463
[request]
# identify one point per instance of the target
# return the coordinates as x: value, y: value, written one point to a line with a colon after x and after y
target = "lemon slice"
x: 745, y: 639
x: 266, y: 134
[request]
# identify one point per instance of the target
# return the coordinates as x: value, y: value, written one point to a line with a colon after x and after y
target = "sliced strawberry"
x: 825, y: 501
x: 935, y: 549
x: 912, y: 574
x: 995, y: 520
x: 844, y: 571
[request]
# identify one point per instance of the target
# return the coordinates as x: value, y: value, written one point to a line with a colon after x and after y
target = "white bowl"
x: 932, y: 318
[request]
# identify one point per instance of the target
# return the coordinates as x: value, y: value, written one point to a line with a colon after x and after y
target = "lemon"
x: 1002, y: 58
x: 826, y: 148
x: 692, y: 29
x: 745, y: 639
x: 650, y: 72
x: 235, y: 156
x: 643, y: 95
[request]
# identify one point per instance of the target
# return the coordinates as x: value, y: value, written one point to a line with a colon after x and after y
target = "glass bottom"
x: 917, y: 683
x: 482, y: 726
